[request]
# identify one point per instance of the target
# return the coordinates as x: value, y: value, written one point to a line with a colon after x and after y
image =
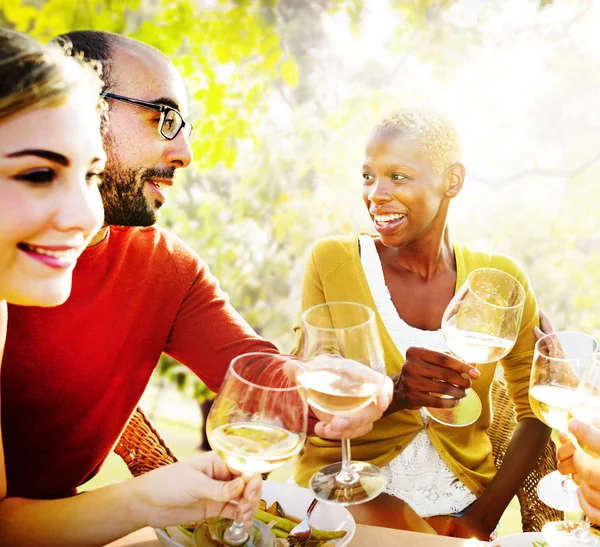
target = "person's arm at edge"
x: 182, y: 492
x: 91, y: 519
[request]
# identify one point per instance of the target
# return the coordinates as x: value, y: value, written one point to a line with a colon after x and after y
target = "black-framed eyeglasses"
x: 171, y: 121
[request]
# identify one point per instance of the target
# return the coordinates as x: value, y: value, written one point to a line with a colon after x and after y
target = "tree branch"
x: 542, y: 173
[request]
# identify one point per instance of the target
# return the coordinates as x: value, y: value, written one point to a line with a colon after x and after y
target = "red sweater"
x: 72, y: 375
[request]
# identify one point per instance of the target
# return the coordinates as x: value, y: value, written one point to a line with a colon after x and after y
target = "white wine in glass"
x: 255, y: 448
x: 585, y: 409
x: 481, y: 325
x: 559, y: 361
x: 339, y: 386
x: 344, y: 372
x: 257, y: 423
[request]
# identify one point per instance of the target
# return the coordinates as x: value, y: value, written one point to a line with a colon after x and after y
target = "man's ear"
x: 455, y: 176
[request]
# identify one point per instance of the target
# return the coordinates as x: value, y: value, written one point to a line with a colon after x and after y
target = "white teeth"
x: 56, y: 254
x: 388, y: 218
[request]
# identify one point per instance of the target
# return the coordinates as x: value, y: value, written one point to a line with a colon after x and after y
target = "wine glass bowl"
x: 344, y: 371
x: 257, y: 423
x: 559, y: 361
x: 480, y: 325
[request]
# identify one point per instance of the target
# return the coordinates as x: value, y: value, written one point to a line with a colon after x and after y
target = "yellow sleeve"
x: 517, y: 364
x: 312, y: 294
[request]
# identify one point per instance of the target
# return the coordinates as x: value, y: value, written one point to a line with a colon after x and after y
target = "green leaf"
x: 289, y: 72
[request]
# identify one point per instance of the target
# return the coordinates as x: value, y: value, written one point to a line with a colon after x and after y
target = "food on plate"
x: 274, y: 516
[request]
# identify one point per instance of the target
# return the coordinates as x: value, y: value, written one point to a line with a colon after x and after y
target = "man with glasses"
x: 73, y: 375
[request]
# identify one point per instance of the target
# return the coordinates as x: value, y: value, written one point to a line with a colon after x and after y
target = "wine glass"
x: 257, y: 423
x: 481, y: 325
x: 559, y: 361
x: 586, y: 408
x: 344, y: 372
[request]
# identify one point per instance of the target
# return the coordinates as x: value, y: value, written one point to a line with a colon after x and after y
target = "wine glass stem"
x: 237, y: 534
x: 568, y: 484
x: 348, y: 475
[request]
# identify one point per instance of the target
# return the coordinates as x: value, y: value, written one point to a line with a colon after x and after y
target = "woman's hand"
x: 460, y: 527
x: 587, y: 469
x: 426, y: 372
x: 564, y: 455
x: 544, y: 328
x: 194, y: 489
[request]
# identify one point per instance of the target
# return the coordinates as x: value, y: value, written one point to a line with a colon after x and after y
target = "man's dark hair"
x: 99, y: 45
x: 96, y: 45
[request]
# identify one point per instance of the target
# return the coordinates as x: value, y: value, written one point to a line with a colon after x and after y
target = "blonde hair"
x: 34, y: 76
x: 434, y: 134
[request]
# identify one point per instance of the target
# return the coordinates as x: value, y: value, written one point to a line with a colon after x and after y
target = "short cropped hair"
x: 34, y: 76
x: 435, y: 135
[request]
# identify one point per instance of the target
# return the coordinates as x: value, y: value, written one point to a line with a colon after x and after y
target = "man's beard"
x: 123, y: 197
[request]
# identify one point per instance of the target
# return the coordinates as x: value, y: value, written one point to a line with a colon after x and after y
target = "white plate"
x: 524, y: 539
x: 295, y: 500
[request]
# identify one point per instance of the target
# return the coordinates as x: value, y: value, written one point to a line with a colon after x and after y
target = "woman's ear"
x: 455, y: 180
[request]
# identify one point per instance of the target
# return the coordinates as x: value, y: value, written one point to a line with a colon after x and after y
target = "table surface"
x: 364, y: 536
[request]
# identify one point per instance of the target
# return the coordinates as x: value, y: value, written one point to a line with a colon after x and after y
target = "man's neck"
x: 99, y: 236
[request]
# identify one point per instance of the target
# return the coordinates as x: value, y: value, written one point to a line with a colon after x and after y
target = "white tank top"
x: 419, y: 476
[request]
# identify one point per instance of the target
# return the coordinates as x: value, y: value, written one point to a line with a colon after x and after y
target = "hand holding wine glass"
x: 257, y: 423
x: 586, y: 465
x: 426, y: 371
x: 481, y: 325
x: 585, y: 407
x: 559, y: 360
x: 345, y: 372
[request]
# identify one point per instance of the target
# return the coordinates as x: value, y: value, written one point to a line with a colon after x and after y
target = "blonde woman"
x: 51, y: 163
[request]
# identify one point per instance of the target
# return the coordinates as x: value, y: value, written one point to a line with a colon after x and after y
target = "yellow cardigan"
x: 334, y: 273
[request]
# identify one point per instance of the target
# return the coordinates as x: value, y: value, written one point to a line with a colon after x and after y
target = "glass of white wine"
x: 257, y: 423
x: 481, y: 325
x: 559, y: 361
x: 586, y: 408
x: 344, y: 372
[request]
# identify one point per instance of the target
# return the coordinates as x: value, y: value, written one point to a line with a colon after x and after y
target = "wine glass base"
x: 210, y: 530
x: 369, y: 484
x: 568, y: 534
x: 551, y: 491
x: 465, y: 413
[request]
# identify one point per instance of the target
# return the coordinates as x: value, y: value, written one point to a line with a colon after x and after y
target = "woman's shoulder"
x: 334, y: 254
x: 474, y: 257
x: 338, y: 246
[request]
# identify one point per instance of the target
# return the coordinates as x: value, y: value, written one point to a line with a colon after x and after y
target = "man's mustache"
x: 166, y: 173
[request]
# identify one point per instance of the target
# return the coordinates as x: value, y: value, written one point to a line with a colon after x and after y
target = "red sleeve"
x: 208, y: 332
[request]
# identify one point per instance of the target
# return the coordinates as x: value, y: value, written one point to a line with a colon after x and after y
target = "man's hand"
x: 356, y: 424
x: 426, y: 372
x: 194, y: 489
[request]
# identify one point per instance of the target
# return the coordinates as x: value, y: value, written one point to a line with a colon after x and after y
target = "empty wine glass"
x: 257, y: 423
x: 559, y: 361
x: 344, y: 372
x: 481, y: 325
x: 585, y: 407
